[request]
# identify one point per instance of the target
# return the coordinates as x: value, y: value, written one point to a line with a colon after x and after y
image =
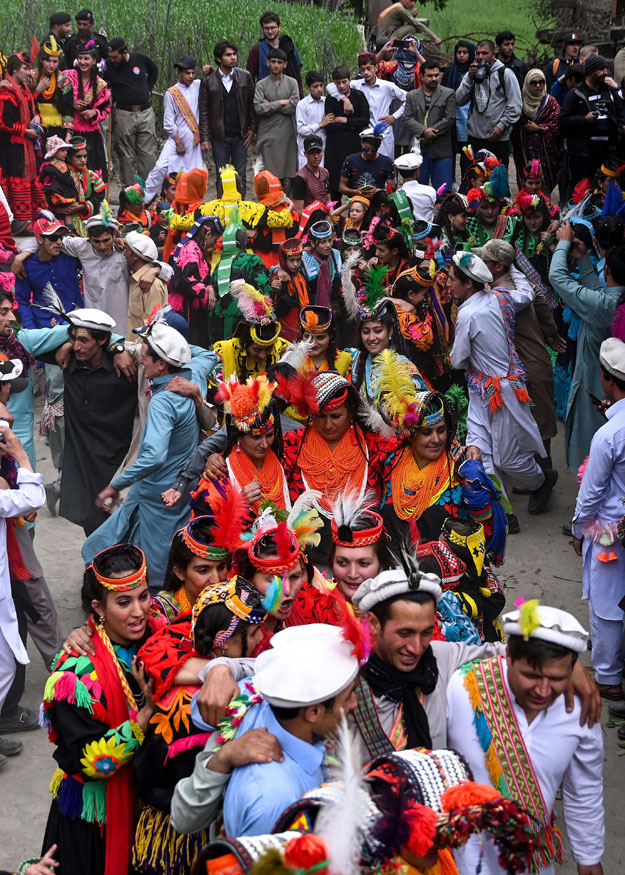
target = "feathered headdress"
x: 255, y: 308
x: 135, y: 194
x: 296, y: 355
x: 392, y: 384
x: 613, y: 203
x: 372, y: 293
x: 299, y: 391
x: 247, y: 403
x: 497, y: 184
x: 526, y: 202
x: 51, y: 302
x: 305, y: 521
x: 354, y: 523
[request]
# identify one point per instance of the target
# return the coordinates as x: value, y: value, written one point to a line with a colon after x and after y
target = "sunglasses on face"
x: 55, y: 237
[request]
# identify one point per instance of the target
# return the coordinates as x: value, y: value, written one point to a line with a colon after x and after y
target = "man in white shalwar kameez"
x: 499, y: 421
x: 182, y: 150
x: 598, y: 511
x: 27, y: 496
x: 528, y: 743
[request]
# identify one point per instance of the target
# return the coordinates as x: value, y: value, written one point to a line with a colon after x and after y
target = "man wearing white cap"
x: 508, y: 718
x: 499, y: 421
x: 422, y: 197
x: 306, y: 680
x: 141, y: 253
x: 170, y: 435
x: 597, y: 513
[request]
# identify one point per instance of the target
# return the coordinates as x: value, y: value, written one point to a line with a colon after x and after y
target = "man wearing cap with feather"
x: 530, y: 744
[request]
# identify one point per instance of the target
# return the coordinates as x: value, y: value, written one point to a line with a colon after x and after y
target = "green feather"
x: 457, y: 397
x: 374, y: 286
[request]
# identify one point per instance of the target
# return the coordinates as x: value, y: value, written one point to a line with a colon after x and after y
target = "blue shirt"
x: 62, y: 273
x: 257, y: 794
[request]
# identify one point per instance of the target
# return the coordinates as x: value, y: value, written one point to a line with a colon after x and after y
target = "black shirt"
x: 132, y: 81
x: 359, y: 172
x: 72, y: 43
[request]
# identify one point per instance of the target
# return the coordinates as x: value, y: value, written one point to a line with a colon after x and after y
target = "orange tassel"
x: 306, y: 851
x: 422, y: 824
x: 603, y: 557
x: 522, y: 395
x: 469, y: 793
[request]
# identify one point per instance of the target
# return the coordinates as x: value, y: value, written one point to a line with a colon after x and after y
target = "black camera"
x: 482, y: 72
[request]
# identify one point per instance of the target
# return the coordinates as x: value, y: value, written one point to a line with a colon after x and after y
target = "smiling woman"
x: 96, y: 709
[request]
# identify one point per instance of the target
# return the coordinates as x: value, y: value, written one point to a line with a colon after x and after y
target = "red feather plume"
x: 299, y: 392
x: 356, y: 633
x: 231, y: 518
x: 580, y: 191
x: 284, y: 544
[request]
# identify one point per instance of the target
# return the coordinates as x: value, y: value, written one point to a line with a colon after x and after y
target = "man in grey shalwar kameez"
x: 275, y: 100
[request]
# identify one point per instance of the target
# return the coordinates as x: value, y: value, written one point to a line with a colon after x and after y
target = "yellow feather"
x: 529, y: 618
x: 392, y: 384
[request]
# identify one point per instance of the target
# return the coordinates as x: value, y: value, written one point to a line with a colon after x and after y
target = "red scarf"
x: 119, y: 793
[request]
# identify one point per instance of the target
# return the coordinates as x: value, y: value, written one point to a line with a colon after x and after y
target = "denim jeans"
x: 230, y: 150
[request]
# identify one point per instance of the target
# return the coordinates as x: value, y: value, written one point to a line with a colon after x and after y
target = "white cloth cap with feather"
x: 394, y: 582
x: 89, y: 317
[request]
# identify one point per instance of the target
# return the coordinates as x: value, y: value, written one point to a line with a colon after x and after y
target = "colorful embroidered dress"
x: 167, y: 755
x: 89, y: 709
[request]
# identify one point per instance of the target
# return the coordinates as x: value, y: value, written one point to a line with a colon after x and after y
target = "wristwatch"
x: 116, y: 348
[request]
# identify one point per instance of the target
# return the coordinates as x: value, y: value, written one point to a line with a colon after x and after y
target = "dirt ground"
x: 540, y: 563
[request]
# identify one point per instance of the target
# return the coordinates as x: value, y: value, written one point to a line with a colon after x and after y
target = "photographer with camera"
x: 494, y: 97
x: 592, y: 121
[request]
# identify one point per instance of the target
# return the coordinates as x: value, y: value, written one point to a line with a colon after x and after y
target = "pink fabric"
x: 101, y: 104
x: 618, y: 323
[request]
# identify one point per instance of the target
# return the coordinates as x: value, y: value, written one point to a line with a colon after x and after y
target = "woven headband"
x: 199, y: 548
x: 129, y: 581
x: 359, y: 537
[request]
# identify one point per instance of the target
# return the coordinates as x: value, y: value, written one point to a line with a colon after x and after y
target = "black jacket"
x: 212, y: 125
x: 573, y: 125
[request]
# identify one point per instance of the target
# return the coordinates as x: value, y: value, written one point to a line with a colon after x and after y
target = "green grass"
x: 166, y: 29
x: 483, y: 19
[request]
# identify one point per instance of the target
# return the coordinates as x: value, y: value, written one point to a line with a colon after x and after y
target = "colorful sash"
x: 366, y: 719
x: 509, y: 764
x: 187, y: 113
x: 489, y: 388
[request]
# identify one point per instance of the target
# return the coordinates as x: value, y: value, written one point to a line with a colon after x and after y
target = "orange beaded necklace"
x: 342, y: 470
x: 415, y: 489
x: 183, y: 600
x: 270, y: 476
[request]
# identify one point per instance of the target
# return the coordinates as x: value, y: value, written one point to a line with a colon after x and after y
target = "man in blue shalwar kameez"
x: 169, y: 437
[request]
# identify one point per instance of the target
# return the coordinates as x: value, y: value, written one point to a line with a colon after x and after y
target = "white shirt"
x: 173, y: 120
x: 422, y: 199
x: 226, y: 79
x: 380, y: 95
x: 562, y: 753
x: 308, y: 114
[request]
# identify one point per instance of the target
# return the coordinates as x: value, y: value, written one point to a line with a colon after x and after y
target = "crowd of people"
x: 293, y: 427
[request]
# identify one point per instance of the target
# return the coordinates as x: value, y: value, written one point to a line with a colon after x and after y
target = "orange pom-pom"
x: 469, y: 793
x: 306, y: 851
x: 422, y: 825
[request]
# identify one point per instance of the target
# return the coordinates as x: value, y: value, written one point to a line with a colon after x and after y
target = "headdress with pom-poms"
x: 372, y: 293
x: 135, y: 194
x: 299, y: 391
x: 497, y: 184
x: 247, y: 403
x: 392, y: 384
x: 255, y: 308
x: 526, y: 202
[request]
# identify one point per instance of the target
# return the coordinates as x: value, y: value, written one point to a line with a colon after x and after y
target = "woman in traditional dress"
x: 251, y: 459
x: 18, y: 136
x: 452, y: 218
x: 97, y: 709
x: 424, y: 477
x: 289, y: 287
x: 336, y: 452
x: 225, y: 622
x: 535, y: 135
x: 318, y: 331
x: 90, y: 186
x: 191, y: 291
x: 378, y: 328
x: 92, y: 105
x: 52, y: 92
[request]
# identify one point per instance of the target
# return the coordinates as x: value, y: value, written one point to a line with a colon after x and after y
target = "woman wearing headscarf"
x: 535, y: 135
x: 464, y: 53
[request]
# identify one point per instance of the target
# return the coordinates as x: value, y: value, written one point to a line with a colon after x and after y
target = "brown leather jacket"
x: 211, y: 105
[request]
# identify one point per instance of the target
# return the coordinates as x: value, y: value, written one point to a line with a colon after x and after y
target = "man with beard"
x: 592, y: 120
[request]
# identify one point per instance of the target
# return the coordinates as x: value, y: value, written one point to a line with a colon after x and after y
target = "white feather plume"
x: 258, y: 164
x: 350, y: 298
x: 297, y: 354
x: 340, y: 823
x: 350, y: 510
x: 51, y: 301
x: 376, y: 423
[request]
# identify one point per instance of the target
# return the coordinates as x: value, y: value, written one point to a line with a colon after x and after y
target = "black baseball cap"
x: 60, y: 18
x: 186, y: 62
x: 313, y: 142
x: 572, y: 38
